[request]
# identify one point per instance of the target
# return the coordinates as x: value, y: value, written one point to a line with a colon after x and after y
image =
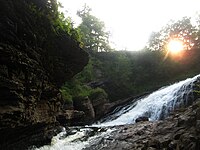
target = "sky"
x: 131, y: 22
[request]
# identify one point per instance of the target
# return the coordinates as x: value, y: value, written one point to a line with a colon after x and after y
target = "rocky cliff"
x: 34, y: 62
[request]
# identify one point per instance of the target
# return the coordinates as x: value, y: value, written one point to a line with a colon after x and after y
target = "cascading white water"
x: 155, y: 106
x: 75, y: 141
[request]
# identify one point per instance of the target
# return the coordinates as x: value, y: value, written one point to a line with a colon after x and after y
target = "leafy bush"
x: 95, y: 93
x: 66, y: 94
x: 75, y: 88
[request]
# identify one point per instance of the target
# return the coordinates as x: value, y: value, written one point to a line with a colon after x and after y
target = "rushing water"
x: 82, y: 138
x: 154, y: 106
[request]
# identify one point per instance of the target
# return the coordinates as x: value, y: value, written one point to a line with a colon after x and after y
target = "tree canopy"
x: 182, y: 30
x: 94, y: 36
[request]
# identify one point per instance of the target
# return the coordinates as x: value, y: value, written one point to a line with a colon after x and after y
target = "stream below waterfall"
x: 155, y: 106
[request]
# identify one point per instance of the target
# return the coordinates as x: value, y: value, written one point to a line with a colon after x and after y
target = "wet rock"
x: 95, y: 84
x: 141, y: 119
x: 198, y: 125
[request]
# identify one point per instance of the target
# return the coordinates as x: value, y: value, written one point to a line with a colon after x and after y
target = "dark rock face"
x: 31, y: 72
x: 99, y: 103
x: 71, y: 117
x: 84, y: 104
x: 97, y: 107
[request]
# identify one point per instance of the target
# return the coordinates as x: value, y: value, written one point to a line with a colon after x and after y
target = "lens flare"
x: 175, y: 46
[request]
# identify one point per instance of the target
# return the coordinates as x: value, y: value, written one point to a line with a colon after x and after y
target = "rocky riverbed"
x: 180, y: 131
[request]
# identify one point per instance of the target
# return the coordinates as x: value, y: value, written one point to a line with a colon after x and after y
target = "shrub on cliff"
x: 95, y: 93
x: 75, y: 88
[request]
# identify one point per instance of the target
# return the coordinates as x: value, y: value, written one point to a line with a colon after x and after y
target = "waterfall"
x: 155, y: 106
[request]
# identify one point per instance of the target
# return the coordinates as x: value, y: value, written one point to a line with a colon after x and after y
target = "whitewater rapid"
x: 75, y: 141
x: 155, y: 106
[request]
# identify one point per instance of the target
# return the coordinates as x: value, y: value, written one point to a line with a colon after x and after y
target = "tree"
x: 95, y: 38
x: 182, y: 30
x: 198, y: 32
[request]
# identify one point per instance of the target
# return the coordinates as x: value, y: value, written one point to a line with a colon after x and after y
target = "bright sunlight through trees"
x: 175, y: 46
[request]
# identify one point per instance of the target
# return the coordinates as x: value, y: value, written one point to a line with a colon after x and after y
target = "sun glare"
x: 175, y: 46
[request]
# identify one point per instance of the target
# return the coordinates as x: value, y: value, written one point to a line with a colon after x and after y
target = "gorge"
x: 56, y: 95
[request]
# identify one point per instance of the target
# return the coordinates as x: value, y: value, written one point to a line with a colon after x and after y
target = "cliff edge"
x: 35, y: 60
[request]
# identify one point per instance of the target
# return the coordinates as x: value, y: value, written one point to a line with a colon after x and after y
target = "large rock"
x: 143, y: 118
x: 71, y: 117
x: 99, y: 102
x: 84, y: 104
x: 34, y: 63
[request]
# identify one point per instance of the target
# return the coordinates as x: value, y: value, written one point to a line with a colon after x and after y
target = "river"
x: 155, y: 106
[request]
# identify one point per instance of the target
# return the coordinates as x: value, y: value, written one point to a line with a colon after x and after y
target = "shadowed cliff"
x: 35, y: 60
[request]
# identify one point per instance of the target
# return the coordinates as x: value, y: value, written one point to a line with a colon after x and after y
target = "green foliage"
x: 87, y: 74
x: 116, y: 66
x: 95, y: 93
x: 49, y: 15
x: 65, y: 91
x: 94, y: 36
x: 132, y: 73
x: 116, y: 71
x: 75, y: 89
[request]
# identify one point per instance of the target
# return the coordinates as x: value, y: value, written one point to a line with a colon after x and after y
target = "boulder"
x: 84, y: 104
x: 99, y: 102
x: 143, y: 118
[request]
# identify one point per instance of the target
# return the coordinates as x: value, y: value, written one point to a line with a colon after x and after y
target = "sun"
x: 175, y: 46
